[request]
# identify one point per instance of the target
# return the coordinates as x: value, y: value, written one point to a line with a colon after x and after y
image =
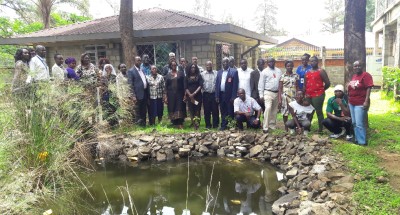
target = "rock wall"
x: 316, y: 181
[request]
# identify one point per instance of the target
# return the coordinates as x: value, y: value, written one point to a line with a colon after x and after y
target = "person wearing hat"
x: 165, y: 69
x: 337, y: 110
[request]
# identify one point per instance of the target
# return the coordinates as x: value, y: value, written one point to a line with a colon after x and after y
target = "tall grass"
x: 39, y: 128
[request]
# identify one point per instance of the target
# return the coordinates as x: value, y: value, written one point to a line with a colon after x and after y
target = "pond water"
x: 235, y: 186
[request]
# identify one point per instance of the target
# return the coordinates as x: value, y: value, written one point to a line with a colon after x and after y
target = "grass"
x: 384, y: 124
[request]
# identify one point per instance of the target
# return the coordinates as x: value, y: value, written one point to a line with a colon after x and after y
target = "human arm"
x: 261, y: 86
x: 293, y: 113
x: 280, y: 91
x: 235, y: 86
x: 367, y: 99
x: 325, y: 79
x: 131, y: 80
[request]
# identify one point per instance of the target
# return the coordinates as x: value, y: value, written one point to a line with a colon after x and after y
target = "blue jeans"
x: 358, y: 119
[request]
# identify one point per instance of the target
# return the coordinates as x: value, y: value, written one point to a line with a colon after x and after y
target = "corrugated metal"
x: 154, y: 18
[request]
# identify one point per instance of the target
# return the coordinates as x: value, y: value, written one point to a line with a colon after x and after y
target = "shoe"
x: 335, y: 136
x: 265, y: 131
x: 349, y: 137
x: 305, y: 132
x: 291, y: 131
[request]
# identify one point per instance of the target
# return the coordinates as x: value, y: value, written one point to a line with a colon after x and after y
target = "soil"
x: 390, y: 161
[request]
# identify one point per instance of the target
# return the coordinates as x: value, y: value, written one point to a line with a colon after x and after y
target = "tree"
x: 265, y: 19
x: 126, y: 30
x: 334, y: 21
x: 354, y: 35
x: 370, y: 14
x: 202, y: 7
x: 30, y: 11
x: 114, y: 4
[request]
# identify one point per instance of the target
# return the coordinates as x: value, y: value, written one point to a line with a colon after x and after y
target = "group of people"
x: 238, y: 94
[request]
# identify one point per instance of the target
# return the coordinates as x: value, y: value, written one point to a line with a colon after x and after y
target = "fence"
x: 297, y: 52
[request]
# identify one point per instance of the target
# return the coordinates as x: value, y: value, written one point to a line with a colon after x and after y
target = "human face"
x: 108, y: 70
x: 225, y: 64
x: 260, y: 64
x: 138, y: 61
x: 289, y: 67
x: 59, y: 60
x: 146, y: 59
x: 304, y: 61
x: 86, y: 59
x: 183, y: 62
x: 72, y: 65
x: 33, y: 53
x: 154, y: 70
x: 194, y: 60
x: 173, y: 65
x: 122, y: 68
x: 339, y: 94
x: 193, y: 69
x: 314, y: 63
x: 357, y: 67
x: 299, y: 97
x: 25, y: 55
x: 42, y: 52
x: 271, y: 63
x: 232, y: 63
x: 209, y: 66
x: 243, y: 64
x: 242, y: 95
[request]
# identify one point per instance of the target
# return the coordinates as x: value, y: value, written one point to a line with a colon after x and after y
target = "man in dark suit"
x: 140, y: 91
x: 226, y: 87
x: 254, y: 78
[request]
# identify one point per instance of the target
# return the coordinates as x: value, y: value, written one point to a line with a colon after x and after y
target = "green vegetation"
x: 373, y: 197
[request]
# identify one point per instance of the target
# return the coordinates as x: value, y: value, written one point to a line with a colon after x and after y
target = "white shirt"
x: 209, y: 79
x: 39, y: 71
x: 244, y: 80
x: 247, y: 106
x: 58, y: 72
x: 223, y: 80
x: 300, y: 110
x: 269, y: 80
x: 141, y: 73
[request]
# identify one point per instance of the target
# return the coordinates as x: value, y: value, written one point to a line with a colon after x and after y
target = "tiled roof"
x: 153, y: 18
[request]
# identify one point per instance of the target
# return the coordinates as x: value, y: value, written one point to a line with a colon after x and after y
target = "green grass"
x: 384, y: 125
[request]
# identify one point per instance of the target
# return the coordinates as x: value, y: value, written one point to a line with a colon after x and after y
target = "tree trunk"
x: 354, y: 35
x: 126, y: 30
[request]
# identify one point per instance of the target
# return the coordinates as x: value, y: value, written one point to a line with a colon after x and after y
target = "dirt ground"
x: 390, y: 161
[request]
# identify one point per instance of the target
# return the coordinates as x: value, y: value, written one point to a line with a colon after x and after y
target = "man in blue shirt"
x: 338, y: 113
x: 302, y: 69
x: 145, y: 66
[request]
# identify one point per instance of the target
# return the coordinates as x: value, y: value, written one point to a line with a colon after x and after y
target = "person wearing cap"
x: 337, y: 110
x: 166, y: 69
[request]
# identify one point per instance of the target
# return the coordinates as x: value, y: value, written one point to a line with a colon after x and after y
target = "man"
x: 254, y: 78
x: 268, y: 86
x: 39, y: 71
x: 194, y: 61
x: 209, y: 103
x: 232, y: 63
x: 244, y: 107
x: 226, y: 91
x: 145, y: 66
x: 140, y: 91
x: 182, y: 65
x: 301, y: 112
x: 58, y: 71
x: 165, y: 69
x: 244, y: 77
x: 338, y: 113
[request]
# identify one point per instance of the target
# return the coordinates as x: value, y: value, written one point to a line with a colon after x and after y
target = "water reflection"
x: 216, y: 186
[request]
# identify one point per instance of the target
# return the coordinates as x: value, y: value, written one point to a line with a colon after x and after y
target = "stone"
x: 335, y: 175
x: 144, y: 150
x: 282, y: 190
x: 382, y: 179
x: 292, y: 173
x: 183, y: 152
x: 241, y: 149
x: 203, y: 149
x: 156, y: 147
x: 346, y: 179
x: 280, y: 205
x: 167, y: 141
x: 220, y: 152
x: 146, y: 138
x: 344, y: 187
x: 318, y: 168
x: 320, y: 209
x: 338, y: 198
x: 274, y: 154
x: 169, y: 153
x: 248, y: 138
x: 256, y: 150
x: 324, y: 194
x: 307, y: 159
x: 132, y: 153
x: 214, y: 146
x: 266, y: 144
x: 161, y: 156
x: 207, y: 143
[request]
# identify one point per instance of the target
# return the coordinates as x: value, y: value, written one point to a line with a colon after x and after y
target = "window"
x: 96, y: 52
x: 158, y: 52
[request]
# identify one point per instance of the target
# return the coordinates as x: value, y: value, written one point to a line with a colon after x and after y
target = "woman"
x: 359, y: 89
x: 22, y: 57
x: 193, y: 85
x: 174, y: 84
x: 109, y: 101
x: 71, y: 74
x: 301, y: 112
x: 123, y: 92
x: 103, y: 62
x: 287, y: 90
x: 302, y: 69
x: 157, y: 94
x: 315, y: 83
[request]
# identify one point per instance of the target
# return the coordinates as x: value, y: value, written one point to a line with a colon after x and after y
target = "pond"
x: 215, y: 185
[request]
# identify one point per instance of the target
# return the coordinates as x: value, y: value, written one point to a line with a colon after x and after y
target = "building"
x: 156, y: 32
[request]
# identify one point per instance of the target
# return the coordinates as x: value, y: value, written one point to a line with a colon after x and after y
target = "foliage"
x: 391, y: 76
x: 60, y: 19
x: 370, y: 14
x: 266, y: 19
x: 335, y: 16
x: 203, y: 8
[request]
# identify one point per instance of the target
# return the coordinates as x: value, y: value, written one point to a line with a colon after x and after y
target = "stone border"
x: 317, y: 181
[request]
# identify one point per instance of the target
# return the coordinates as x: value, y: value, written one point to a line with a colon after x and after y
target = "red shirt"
x: 358, y: 86
x: 314, y: 83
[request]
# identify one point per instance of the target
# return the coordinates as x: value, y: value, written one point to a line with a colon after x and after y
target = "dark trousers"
x: 250, y: 122
x: 306, y: 124
x: 335, y: 126
x: 141, y: 111
x: 226, y: 108
x: 156, y: 108
x: 210, y: 107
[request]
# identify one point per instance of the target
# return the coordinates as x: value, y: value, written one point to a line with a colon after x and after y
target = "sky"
x: 295, y: 16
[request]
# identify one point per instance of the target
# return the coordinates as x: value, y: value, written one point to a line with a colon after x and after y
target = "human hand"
x: 256, y: 121
x: 279, y: 104
x: 299, y: 130
x: 134, y: 99
x: 338, y: 101
x: 366, y: 105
